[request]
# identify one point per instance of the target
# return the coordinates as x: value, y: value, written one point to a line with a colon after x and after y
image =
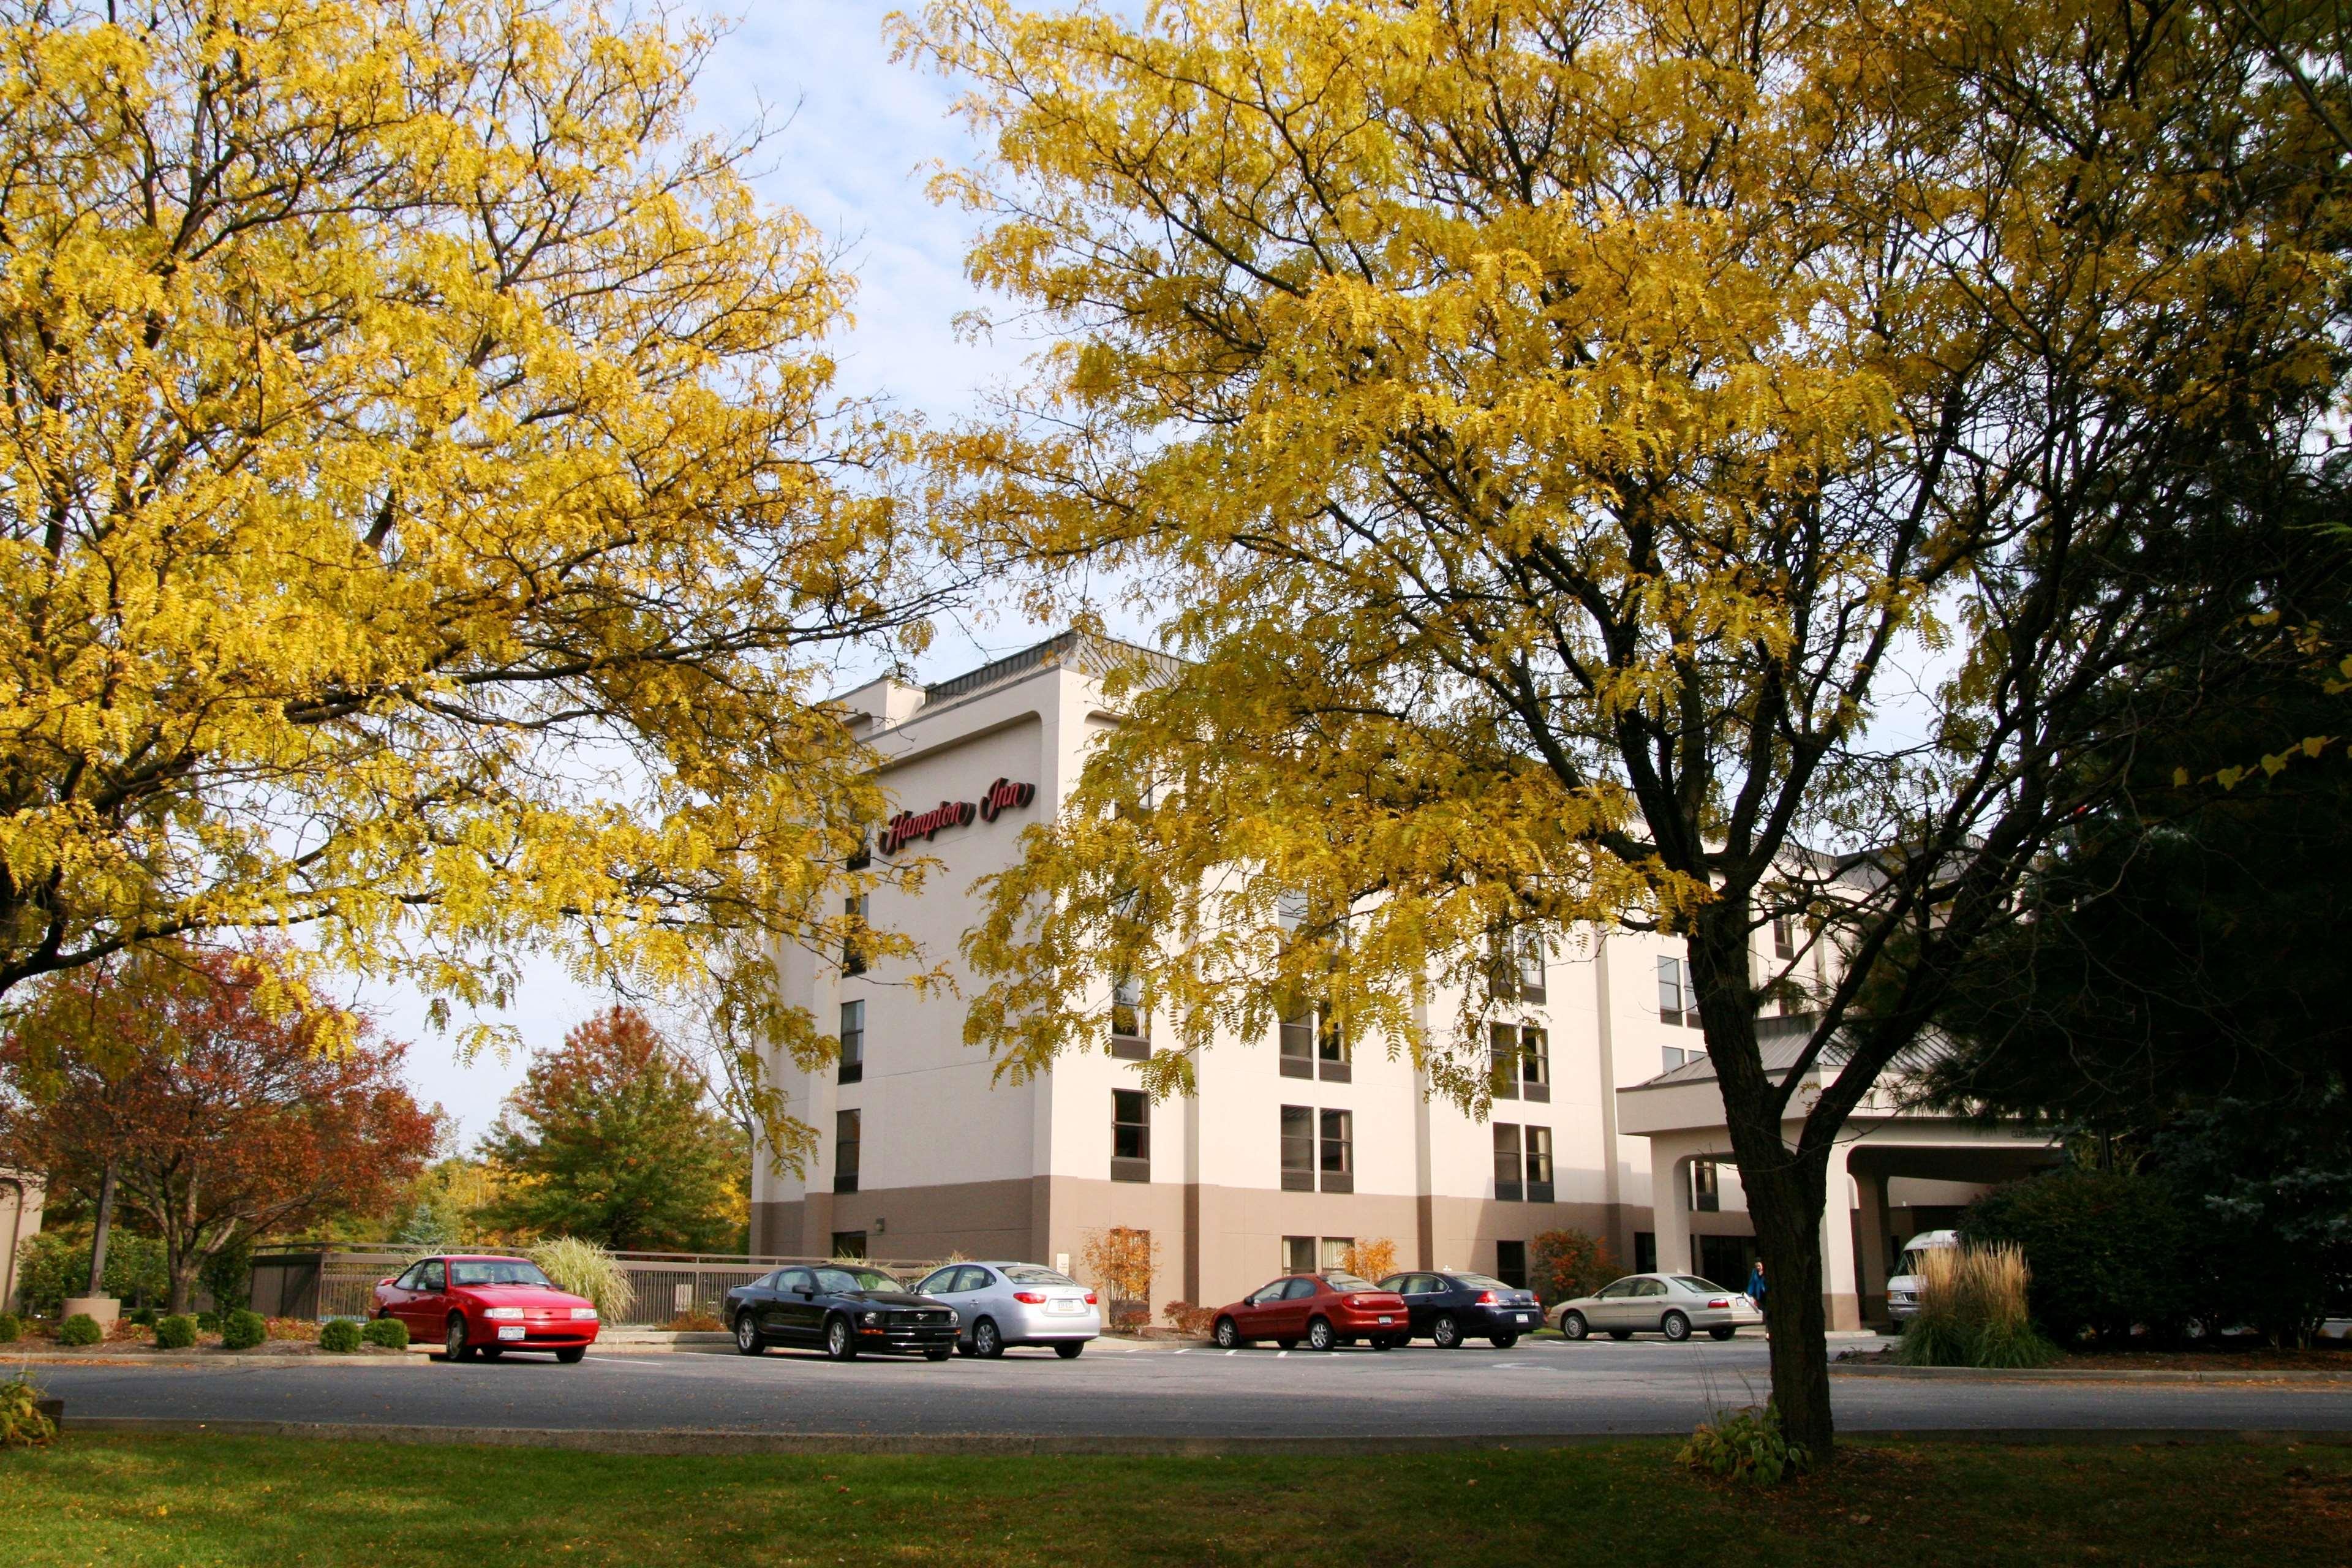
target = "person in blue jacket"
x: 1756, y: 1283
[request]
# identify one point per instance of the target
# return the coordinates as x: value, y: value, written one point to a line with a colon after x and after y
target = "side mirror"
x: 387, y: 1279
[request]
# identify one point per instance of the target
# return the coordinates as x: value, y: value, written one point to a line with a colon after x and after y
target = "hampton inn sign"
x: 1002, y: 797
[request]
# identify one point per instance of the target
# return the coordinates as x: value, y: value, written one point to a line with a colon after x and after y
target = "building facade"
x: 1292, y: 1147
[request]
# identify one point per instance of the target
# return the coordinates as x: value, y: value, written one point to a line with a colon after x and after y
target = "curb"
x: 699, y: 1442
x: 2093, y: 1374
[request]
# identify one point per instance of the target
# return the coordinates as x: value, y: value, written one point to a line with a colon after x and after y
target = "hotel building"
x: 1292, y: 1147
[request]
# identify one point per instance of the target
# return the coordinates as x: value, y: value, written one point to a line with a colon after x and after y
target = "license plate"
x: 1067, y: 1309
x: 1527, y: 1317
x: 1385, y: 1319
x: 510, y: 1332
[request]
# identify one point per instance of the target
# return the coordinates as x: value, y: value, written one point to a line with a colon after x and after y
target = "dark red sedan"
x: 1323, y: 1310
x: 487, y: 1305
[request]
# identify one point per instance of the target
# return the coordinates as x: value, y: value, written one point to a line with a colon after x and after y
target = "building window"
x: 1706, y: 1194
x: 1298, y: 1043
x: 852, y: 1041
x: 1511, y: 1264
x: 1518, y: 974
x: 1511, y: 1185
x: 1338, y: 1151
x: 1331, y: 1062
x: 1335, y: 1249
x: 1130, y: 1135
x: 848, y: 1243
x: 1678, y: 993
x: 1298, y: 1255
x: 1645, y: 1252
x: 1784, y: 937
x: 1130, y: 1030
x: 1539, y: 1187
x: 844, y: 1151
x: 1535, y: 1065
x: 1297, y: 1149
x: 852, y: 945
x: 1676, y: 1056
x: 1503, y: 1060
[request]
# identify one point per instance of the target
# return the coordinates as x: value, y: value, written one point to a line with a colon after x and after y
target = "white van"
x: 1902, y: 1286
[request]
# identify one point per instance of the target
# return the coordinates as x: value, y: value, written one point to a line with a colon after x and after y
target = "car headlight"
x: 953, y: 1320
x: 869, y: 1319
x: 503, y: 1314
x: 584, y: 1314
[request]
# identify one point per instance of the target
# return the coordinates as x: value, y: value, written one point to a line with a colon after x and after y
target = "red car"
x: 487, y: 1305
x: 1324, y: 1309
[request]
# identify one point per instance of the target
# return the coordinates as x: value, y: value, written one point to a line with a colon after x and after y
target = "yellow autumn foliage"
x: 423, y: 516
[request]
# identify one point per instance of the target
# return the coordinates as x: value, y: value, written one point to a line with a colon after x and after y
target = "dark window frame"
x: 1511, y: 1264
x: 1130, y: 1024
x: 1130, y: 1135
x: 1338, y: 1176
x: 1706, y: 1187
x: 852, y: 1041
x: 848, y: 1136
x: 1537, y: 1155
x: 1510, y: 1180
x: 1298, y: 1172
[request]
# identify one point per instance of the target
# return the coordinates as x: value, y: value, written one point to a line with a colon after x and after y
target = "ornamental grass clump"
x: 1972, y: 1311
x: 585, y: 1268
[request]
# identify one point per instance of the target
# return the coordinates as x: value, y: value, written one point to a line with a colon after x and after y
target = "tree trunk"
x: 1785, y: 1206
x: 101, y: 1230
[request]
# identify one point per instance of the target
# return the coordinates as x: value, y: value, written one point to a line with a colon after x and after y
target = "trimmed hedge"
x: 177, y: 1334
x: 12, y: 1328
x: 341, y: 1336
x: 389, y: 1332
x: 81, y: 1329
x: 2108, y: 1251
x: 241, y: 1330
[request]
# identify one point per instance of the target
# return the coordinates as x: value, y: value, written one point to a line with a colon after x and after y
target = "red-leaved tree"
x: 232, y: 1104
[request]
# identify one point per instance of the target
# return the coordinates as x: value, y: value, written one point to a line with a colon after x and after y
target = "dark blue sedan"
x: 1447, y: 1309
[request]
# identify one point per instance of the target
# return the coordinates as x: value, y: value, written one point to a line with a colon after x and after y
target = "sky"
x: 856, y: 138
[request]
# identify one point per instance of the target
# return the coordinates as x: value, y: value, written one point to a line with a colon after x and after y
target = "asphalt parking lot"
x: 1536, y: 1389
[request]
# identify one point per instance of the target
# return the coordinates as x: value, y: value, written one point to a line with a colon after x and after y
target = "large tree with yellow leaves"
x: 1681, y: 465
x: 423, y: 516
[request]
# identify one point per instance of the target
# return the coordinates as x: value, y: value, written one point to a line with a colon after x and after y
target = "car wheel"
x: 987, y: 1343
x: 1573, y: 1326
x: 1502, y: 1341
x: 1228, y: 1337
x: 1069, y: 1351
x: 840, y: 1340
x: 454, y: 1340
x: 491, y: 1352
x: 747, y: 1336
x: 569, y: 1355
x: 1286, y: 1344
x: 938, y: 1353
x: 1445, y: 1333
x: 1674, y: 1326
x: 1320, y: 1336
x: 1384, y: 1342
x: 1722, y: 1333
x: 1620, y: 1335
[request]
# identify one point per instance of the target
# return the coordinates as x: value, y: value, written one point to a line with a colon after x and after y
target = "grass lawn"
x: 197, y: 1500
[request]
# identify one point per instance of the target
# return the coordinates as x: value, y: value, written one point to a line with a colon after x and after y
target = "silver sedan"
x: 1669, y: 1304
x: 1003, y: 1304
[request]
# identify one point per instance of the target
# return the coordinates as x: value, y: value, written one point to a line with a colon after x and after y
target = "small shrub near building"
x: 12, y: 1328
x: 342, y: 1337
x: 390, y: 1333
x: 242, y: 1330
x: 1192, y: 1322
x: 176, y: 1333
x: 80, y: 1330
x: 1565, y: 1264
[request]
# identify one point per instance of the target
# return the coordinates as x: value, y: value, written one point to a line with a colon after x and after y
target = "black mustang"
x: 840, y: 1309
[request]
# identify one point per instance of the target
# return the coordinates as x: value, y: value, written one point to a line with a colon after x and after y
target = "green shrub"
x: 2106, y: 1251
x: 585, y: 1268
x: 241, y: 1330
x: 389, y: 1332
x: 176, y: 1333
x: 12, y: 1328
x: 22, y: 1424
x: 341, y: 1336
x: 50, y: 1268
x: 1566, y: 1264
x: 1745, y: 1446
x: 81, y: 1329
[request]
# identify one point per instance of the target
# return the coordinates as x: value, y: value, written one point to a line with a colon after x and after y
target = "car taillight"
x: 1485, y: 1297
x: 1030, y: 1298
x: 1718, y: 1305
x: 1090, y: 1298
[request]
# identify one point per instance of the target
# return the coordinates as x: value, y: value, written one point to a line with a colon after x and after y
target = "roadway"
x: 1536, y: 1390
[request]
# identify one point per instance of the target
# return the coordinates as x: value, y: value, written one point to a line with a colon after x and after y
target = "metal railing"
x: 340, y: 1280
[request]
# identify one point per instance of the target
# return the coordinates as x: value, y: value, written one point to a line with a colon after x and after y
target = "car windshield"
x: 1347, y: 1282
x: 845, y: 1280
x: 1030, y: 1274
x: 1703, y: 1287
x: 1484, y: 1282
x: 1911, y: 1265
x: 497, y: 1271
